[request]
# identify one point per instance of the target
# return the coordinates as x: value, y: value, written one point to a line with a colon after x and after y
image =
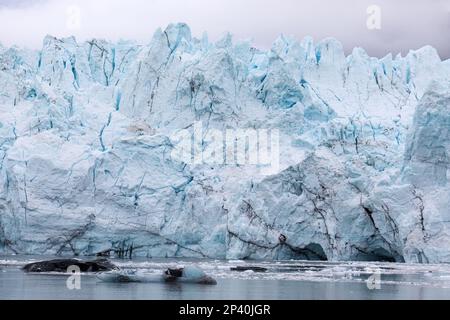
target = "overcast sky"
x: 405, y: 24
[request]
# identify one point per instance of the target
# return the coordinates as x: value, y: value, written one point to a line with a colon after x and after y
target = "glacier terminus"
x: 88, y: 130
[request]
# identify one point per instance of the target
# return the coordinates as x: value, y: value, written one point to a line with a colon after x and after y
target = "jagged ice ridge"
x: 85, y: 144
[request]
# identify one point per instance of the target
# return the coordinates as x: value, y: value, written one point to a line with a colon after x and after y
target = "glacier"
x: 86, y: 135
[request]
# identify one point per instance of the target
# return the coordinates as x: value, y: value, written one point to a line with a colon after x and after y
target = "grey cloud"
x: 18, y: 3
x: 406, y: 24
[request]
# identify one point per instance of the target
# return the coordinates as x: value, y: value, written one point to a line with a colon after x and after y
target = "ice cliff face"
x: 87, y: 135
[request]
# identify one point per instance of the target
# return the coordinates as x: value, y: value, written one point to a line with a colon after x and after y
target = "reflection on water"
x: 281, y: 280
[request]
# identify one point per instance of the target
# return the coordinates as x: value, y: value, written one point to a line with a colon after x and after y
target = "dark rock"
x: 176, y: 273
x: 243, y: 269
x: 61, y: 265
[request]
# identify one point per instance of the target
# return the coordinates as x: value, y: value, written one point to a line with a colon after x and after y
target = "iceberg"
x: 190, y: 274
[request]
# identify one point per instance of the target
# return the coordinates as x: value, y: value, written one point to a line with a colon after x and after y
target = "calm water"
x: 283, y: 280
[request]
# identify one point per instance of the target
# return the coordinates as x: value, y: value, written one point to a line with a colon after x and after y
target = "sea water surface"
x: 281, y: 280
